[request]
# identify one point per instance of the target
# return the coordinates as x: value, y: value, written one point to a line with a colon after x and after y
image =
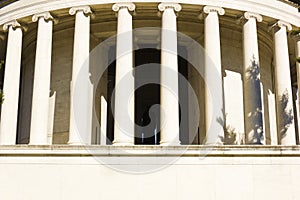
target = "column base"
x: 122, y: 144
x: 76, y: 143
x: 170, y: 143
x: 7, y: 142
x: 217, y: 143
x: 254, y: 143
x: 38, y: 142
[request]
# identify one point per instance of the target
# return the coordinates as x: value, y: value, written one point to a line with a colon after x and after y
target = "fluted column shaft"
x: 251, y: 75
x: 169, y: 76
x: 124, y: 87
x: 81, y: 91
x: 9, y: 112
x: 214, y: 117
x: 42, y: 76
x: 284, y: 98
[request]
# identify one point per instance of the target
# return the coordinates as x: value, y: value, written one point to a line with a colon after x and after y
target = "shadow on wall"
x: 286, y: 114
x: 231, y: 136
x: 254, y: 116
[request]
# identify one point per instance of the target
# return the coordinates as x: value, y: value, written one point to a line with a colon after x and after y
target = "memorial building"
x: 149, y: 99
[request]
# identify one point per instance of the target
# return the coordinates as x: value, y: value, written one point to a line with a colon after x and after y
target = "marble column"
x: 251, y: 76
x: 169, y: 95
x: 42, y: 76
x: 9, y: 112
x: 214, y: 116
x: 81, y: 88
x: 124, y: 87
x: 283, y: 89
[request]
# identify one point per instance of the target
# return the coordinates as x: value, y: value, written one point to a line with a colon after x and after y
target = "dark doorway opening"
x: 147, y: 96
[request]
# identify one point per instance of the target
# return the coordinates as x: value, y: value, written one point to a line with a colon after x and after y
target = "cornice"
x: 271, y: 8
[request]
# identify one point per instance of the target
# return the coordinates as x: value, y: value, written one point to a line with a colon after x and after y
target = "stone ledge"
x: 150, y: 151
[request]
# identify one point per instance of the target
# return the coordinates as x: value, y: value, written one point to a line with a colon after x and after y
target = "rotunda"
x: 136, y: 84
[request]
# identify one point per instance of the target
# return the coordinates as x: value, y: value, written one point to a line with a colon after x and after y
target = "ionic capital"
x: 175, y: 6
x: 85, y: 9
x: 256, y: 16
x: 14, y: 24
x: 117, y: 6
x: 45, y: 15
x: 281, y: 24
x: 209, y: 9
